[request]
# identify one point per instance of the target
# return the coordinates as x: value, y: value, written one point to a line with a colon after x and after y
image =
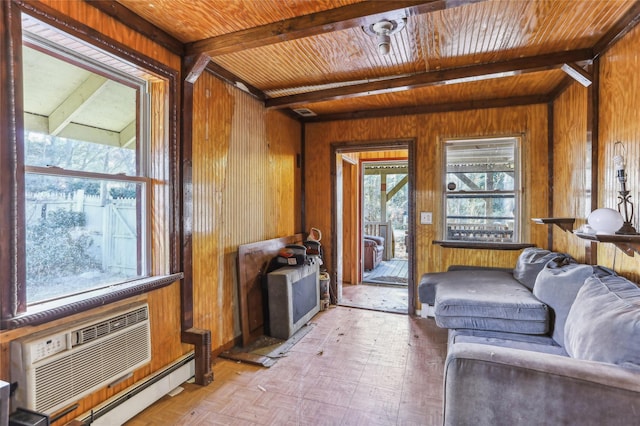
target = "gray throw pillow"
x: 530, y: 263
x: 604, y: 322
x: 557, y: 285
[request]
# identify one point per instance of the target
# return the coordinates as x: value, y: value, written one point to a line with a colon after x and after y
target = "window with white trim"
x: 482, y: 190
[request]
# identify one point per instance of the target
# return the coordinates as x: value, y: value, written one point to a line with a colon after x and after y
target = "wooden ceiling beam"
x: 430, y: 109
x: 622, y: 27
x: 193, y: 66
x: 235, y: 81
x: 432, y: 78
x: 139, y: 24
x: 327, y: 21
x: 578, y: 74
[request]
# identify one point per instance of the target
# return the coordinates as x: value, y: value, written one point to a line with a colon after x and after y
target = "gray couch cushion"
x: 459, y: 277
x: 557, y: 285
x: 506, y: 340
x: 604, y: 322
x: 489, y: 300
x: 530, y: 263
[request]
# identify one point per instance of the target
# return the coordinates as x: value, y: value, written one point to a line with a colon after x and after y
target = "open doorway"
x: 373, y: 218
x: 385, y: 220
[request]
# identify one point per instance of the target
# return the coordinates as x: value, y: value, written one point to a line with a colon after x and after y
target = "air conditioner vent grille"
x: 89, y: 366
x: 95, y: 331
x: 78, y: 361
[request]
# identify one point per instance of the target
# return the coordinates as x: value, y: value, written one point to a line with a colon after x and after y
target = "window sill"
x: 49, y: 311
x: 482, y: 245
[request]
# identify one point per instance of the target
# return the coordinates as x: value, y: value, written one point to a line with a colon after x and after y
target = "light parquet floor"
x: 355, y: 367
x: 384, y: 298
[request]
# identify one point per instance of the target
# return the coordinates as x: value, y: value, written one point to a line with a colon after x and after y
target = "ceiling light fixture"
x: 382, y: 31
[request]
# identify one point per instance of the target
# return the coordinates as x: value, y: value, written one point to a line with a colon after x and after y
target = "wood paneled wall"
x: 246, y: 188
x: 429, y: 131
x: 164, y: 304
x: 571, y: 168
x: 620, y: 121
x: 397, y: 154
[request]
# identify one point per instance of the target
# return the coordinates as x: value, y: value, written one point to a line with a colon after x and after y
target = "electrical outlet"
x: 426, y: 218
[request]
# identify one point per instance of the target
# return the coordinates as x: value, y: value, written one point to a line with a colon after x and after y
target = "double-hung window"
x: 93, y: 194
x: 482, y: 190
x: 86, y: 181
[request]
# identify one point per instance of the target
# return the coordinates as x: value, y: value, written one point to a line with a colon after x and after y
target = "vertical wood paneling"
x: 620, y: 121
x: 246, y: 188
x: 429, y: 132
x: 213, y: 106
x: 160, y: 166
x: 338, y: 232
x: 284, y: 191
x: 350, y: 231
x: 397, y: 154
x: 571, y: 168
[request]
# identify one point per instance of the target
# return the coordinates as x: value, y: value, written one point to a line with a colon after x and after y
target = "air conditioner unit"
x: 57, y: 367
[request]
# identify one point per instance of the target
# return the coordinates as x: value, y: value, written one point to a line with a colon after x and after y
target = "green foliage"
x: 55, y: 246
x: 397, y: 206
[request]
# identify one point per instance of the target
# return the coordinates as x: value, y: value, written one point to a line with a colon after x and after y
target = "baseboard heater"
x: 141, y: 395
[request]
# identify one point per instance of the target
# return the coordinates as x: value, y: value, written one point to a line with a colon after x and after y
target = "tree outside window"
x: 482, y: 190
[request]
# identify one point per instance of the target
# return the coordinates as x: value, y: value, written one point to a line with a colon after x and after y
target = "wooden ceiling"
x: 451, y: 55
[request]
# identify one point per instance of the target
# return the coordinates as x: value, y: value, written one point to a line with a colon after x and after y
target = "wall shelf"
x: 564, y: 223
x: 488, y: 245
x: 629, y: 244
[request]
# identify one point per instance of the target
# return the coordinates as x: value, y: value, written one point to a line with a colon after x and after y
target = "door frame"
x: 382, y: 145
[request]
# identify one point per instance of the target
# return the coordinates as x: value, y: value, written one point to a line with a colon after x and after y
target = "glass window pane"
x: 480, y: 192
x: 481, y: 181
x: 81, y: 234
x: 371, y: 204
x: 480, y: 219
x: 77, y: 119
x: 483, y: 207
x: 45, y: 150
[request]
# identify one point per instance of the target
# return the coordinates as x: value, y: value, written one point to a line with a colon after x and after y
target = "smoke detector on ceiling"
x: 383, y: 30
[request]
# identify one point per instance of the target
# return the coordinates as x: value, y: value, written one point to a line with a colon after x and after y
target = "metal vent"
x: 305, y: 112
x: 88, y: 334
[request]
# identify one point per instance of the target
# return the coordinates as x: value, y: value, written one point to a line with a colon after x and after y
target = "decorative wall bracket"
x: 564, y: 223
x: 629, y: 244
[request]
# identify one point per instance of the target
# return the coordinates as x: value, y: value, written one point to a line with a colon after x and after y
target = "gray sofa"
x: 579, y: 365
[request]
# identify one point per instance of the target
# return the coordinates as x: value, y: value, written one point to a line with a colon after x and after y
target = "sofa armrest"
x: 503, y: 386
x: 378, y: 240
x: 369, y: 243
